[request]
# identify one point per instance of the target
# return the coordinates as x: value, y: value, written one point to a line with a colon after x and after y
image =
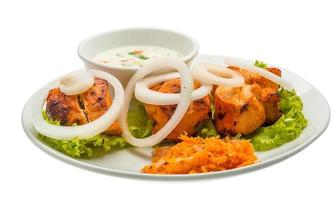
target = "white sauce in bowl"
x: 131, y: 56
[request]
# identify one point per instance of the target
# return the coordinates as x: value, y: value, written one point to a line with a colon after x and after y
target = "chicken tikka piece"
x: 244, y: 109
x: 197, y: 112
x: 83, y: 108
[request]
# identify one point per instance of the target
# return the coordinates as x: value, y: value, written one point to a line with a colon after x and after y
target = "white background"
x: 38, y: 41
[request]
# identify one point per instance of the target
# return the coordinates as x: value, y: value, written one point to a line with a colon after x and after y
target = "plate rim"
x: 173, y: 177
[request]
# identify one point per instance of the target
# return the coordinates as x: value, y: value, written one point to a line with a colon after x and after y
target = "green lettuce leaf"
x: 138, y: 121
x: 212, y: 106
x: 288, y: 127
x: 260, y: 64
x: 85, y: 148
x: 50, y: 121
x: 207, y: 129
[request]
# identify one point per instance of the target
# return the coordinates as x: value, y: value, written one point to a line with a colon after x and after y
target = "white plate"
x: 129, y: 162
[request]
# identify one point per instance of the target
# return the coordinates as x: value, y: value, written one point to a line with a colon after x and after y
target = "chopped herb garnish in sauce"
x: 142, y: 57
x: 138, y: 54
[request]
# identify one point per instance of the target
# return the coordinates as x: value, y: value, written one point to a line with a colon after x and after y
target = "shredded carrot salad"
x: 197, y: 155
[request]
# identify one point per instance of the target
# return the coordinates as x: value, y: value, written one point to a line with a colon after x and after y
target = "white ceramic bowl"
x: 90, y: 47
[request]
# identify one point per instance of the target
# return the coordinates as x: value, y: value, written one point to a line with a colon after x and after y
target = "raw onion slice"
x: 183, y: 104
x: 76, y: 82
x: 84, y: 131
x: 144, y: 94
x: 208, y: 73
x: 249, y: 65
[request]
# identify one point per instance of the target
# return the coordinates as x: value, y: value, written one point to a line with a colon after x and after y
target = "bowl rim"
x: 185, y: 59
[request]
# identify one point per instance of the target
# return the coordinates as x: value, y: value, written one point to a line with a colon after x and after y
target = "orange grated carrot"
x: 197, y: 155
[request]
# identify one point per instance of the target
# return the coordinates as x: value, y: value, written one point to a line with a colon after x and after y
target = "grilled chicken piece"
x: 83, y: 108
x: 64, y: 108
x: 269, y: 97
x: 244, y: 109
x: 96, y: 102
x: 238, y: 109
x: 270, y: 100
x: 197, y: 112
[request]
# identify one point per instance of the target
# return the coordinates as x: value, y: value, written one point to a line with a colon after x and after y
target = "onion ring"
x: 249, y: 65
x: 208, y: 73
x: 76, y: 82
x: 182, y: 107
x: 84, y: 131
x: 144, y: 94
